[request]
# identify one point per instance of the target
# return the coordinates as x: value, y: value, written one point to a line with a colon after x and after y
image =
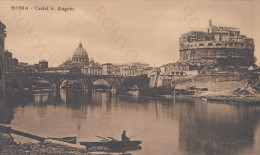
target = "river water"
x: 164, y: 126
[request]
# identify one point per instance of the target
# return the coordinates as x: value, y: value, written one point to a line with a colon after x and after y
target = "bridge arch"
x: 112, y: 85
x: 12, y: 81
x: 80, y: 81
x: 33, y: 78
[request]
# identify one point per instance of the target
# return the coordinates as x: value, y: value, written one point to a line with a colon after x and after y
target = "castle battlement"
x: 216, y: 43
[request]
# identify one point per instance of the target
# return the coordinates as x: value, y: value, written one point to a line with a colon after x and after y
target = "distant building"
x: 132, y: 69
x: 2, y: 66
x: 224, y: 45
x: 127, y: 71
x: 94, y: 70
x: 75, y: 70
x: 67, y: 64
x: 179, y: 67
x: 108, y: 68
x: 31, y: 68
x: 25, y: 67
x: 146, y: 71
x: 23, y: 64
x: 10, y: 62
x: 140, y: 68
x: 43, y: 64
x: 36, y: 67
x: 159, y: 81
x: 139, y: 65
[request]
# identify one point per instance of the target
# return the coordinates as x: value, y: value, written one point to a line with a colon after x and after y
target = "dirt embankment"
x: 8, y: 146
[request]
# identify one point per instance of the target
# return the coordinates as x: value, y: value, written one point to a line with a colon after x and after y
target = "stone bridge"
x: 25, y: 80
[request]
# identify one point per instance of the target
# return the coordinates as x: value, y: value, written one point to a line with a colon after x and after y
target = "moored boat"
x: 72, y: 139
x: 112, y: 145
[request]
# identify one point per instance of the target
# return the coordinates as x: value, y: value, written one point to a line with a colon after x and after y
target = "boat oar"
x: 100, y: 137
x: 103, y: 138
x: 112, y: 138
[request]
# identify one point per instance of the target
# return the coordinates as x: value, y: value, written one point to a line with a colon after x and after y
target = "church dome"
x: 80, y: 56
x: 80, y: 51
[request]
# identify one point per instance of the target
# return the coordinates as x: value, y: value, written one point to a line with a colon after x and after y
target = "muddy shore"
x: 8, y: 146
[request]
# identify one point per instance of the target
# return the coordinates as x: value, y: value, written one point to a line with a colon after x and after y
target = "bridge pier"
x: 113, y: 90
x: 57, y: 89
x: 53, y: 86
x: 84, y: 87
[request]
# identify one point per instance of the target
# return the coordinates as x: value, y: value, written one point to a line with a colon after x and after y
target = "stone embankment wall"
x: 215, y: 83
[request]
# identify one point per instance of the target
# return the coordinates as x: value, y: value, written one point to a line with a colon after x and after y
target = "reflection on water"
x: 217, y: 128
x: 164, y: 126
x: 41, y: 98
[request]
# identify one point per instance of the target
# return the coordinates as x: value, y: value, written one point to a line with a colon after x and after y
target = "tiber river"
x: 164, y: 126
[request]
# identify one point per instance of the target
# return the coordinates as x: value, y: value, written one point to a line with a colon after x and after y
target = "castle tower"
x: 220, y: 45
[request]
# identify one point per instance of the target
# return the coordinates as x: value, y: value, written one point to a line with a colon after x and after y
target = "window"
x: 218, y: 44
x: 201, y: 44
x: 210, y: 44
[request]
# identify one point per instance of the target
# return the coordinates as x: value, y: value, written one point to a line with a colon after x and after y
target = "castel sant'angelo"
x: 217, y: 45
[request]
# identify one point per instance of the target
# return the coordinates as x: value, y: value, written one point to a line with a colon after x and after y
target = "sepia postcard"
x: 130, y: 77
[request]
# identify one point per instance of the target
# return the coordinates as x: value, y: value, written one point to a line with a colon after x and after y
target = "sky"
x: 118, y: 31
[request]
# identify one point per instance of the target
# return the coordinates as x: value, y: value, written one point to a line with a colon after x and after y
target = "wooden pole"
x: 7, y: 129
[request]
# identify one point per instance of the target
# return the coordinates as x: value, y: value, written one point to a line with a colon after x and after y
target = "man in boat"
x: 124, y: 137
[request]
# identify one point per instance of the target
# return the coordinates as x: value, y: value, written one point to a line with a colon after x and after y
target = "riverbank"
x: 240, y: 96
x: 8, y: 146
x: 218, y: 97
x: 234, y: 99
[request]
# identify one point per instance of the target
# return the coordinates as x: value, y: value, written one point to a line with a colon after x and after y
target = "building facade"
x: 43, y: 65
x: 217, y: 45
x: 127, y: 71
x: 2, y: 66
x: 132, y: 69
x: 108, y: 68
x: 10, y: 62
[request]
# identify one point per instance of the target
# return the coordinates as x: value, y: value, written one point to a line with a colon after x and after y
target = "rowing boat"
x: 112, y: 145
x: 71, y: 140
